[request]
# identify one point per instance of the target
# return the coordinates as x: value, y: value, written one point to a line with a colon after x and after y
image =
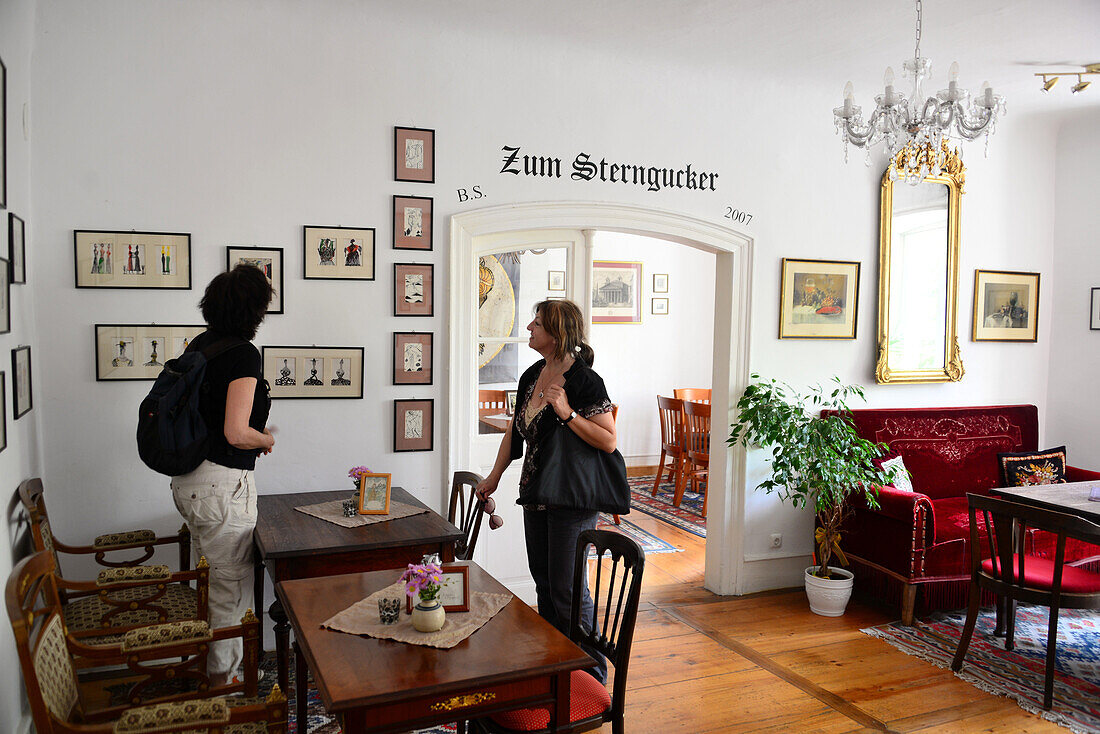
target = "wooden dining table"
x: 294, y: 545
x: 1071, y: 498
x: 516, y: 660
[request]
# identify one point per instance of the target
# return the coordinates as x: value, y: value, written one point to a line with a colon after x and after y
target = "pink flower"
x: 358, y: 471
x: 423, y: 579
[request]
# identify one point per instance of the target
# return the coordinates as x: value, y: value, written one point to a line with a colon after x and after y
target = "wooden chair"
x: 124, y: 595
x: 697, y: 451
x: 1016, y: 576
x: 53, y: 691
x: 694, y: 394
x: 466, y: 512
x: 616, y: 591
x: 670, y: 412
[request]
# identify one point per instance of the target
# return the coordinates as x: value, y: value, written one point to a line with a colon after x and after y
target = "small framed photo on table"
x: 413, y: 154
x: 412, y: 222
x: 374, y: 494
x: 270, y: 262
x: 454, y: 592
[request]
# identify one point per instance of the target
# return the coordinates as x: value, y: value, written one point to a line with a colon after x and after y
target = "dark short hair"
x: 235, y: 302
x: 563, y: 320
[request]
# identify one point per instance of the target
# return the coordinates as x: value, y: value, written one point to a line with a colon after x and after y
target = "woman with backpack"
x: 218, y: 499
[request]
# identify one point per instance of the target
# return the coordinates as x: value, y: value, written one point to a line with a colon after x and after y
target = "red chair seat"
x: 587, y: 698
x: 1039, y: 574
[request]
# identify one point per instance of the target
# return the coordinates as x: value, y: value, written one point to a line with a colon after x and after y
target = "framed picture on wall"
x: 108, y: 259
x: 3, y: 414
x: 412, y: 358
x: 616, y: 292
x: 555, y: 280
x: 412, y: 222
x: 660, y: 282
x: 5, y: 296
x: 3, y: 135
x: 338, y: 253
x: 413, y: 154
x: 818, y: 299
x: 139, y: 351
x: 314, y: 372
x: 510, y: 401
x: 17, y: 248
x: 1094, y: 310
x: 1006, y: 306
x: 21, y: 381
x: 413, y: 289
x: 412, y: 425
x: 659, y: 306
x: 267, y: 259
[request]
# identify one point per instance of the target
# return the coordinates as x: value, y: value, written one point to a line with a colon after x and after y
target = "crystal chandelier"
x: 917, y: 122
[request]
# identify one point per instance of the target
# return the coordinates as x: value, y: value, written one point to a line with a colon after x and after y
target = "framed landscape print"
x: 412, y: 358
x: 1094, y: 309
x: 106, y: 259
x: 413, y: 288
x: 412, y: 425
x: 1006, y: 306
x: 314, y: 372
x: 139, y: 351
x: 17, y: 248
x: 555, y: 280
x: 660, y: 282
x: 5, y: 296
x: 616, y: 292
x: 412, y: 222
x: 267, y: 259
x: 413, y: 154
x: 374, y: 494
x: 338, y: 253
x: 21, y: 381
x: 818, y: 299
x: 658, y: 306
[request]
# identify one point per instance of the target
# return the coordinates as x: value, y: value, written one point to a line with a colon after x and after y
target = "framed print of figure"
x: 412, y: 358
x: 818, y: 299
x: 412, y: 222
x: 21, y: 381
x: 17, y: 248
x: 412, y: 425
x: 269, y: 260
x: 107, y: 259
x: 5, y: 296
x: 314, y: 372
x: 1006, y: 306
x: 374, y: 494
x: 413, y: 154
x: 616, y: 292
x: 139, y: 351
x: 338, y: 253
x: 3, y: 414
x: 413, y: 289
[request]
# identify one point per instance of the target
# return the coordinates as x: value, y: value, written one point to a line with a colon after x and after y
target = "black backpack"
x: 172, y: 436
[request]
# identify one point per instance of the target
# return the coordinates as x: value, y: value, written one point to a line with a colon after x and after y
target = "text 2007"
x: 737, y: 215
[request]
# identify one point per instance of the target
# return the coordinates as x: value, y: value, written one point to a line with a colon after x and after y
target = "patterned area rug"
x: 1017, y: 674
x: 650, y: 543
x: 688, y: 516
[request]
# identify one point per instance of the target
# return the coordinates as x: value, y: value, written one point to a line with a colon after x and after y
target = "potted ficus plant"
x: 816, y: 461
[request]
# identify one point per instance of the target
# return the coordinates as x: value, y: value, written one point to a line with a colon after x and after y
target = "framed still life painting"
x: 1006, y: 306
x: 616, y: 292
x: 107, y: 259
x: 269, y: 260
x: 338, y: 253
x: 412, y: 358
x: 818, y: 299
x: 412, y: 425
x: 412, y: 222
x: 413, y: 154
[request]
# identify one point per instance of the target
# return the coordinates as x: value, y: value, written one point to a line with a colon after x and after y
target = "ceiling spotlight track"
x: 1050, y: 78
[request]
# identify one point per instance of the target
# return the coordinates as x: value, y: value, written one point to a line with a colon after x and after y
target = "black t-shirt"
x: 242, y: 360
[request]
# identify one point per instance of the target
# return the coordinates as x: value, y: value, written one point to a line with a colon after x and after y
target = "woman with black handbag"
x: 571, y: 469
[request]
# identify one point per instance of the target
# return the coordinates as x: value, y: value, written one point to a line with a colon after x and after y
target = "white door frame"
x: 732, y: 305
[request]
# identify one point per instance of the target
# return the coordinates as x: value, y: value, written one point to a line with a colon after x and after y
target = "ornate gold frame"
x: 953, y: 176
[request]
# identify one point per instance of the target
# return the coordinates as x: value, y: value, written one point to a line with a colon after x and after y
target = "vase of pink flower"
x: 356, y: 474
x: 423, y: 581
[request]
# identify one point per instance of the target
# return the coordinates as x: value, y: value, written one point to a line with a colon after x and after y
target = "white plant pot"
x: 828, y: 597
x: 428, y: 616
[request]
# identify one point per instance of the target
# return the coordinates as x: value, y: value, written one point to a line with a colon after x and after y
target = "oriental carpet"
x: 688, y: 516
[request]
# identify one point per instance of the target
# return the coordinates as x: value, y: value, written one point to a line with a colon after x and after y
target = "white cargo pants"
x: 219, y: 505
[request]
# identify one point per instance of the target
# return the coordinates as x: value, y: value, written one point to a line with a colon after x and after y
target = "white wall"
x: 1073, y: 413
x: 638, y: 362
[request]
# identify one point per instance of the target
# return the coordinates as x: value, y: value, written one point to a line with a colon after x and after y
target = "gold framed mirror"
x: 918, y: 286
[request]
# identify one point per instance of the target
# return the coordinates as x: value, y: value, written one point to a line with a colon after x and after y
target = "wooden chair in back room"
x: 670, y: 412
x: 697, y: 452
x: 694, y: 394
x: 465, y: 511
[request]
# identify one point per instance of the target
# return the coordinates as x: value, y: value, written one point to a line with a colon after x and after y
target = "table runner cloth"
x: 333, y: 512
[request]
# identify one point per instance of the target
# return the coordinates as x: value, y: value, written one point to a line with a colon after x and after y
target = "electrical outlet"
x: 777, y: 540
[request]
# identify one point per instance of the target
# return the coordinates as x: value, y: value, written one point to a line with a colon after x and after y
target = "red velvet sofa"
x: 919, y: 540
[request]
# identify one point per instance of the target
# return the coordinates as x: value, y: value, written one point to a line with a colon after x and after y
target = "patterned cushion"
x: 86, y: 613
x: 131, y: 536
x: 112, y: 576
x: 47, y: 541
x: 159, y: 635
x: 1033, y: 467
x: 587, y: 698
x: 54, y: 668
x: 894, y: 466
x: 162, y: 716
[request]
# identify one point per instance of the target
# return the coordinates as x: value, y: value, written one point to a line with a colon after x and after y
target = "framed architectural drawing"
x: 412, y: 222
x: 338, y: 253
x: 412, y: 425
x: 21, y: 381
x: 5, y: 296
x: 616, y: 292
x: 1006, y: 306
x: 555, y: 280
x: 374, y: 494
x: 267, y: 259
x: 17, y: 248
x: 107, y: 259
x: 660, y: 282
x: 658, y: 306
x: 818, y: 299
x: 314, y: 372
x: 413, y: 289
x: 413, y: 154
x: 139, y: 351
x: 412, y: 358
